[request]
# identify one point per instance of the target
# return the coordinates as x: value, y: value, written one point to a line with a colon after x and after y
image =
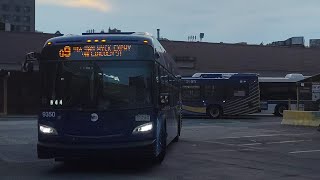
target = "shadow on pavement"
x: 117, y: 165
x: 247, y: 117
x: 129, y: 166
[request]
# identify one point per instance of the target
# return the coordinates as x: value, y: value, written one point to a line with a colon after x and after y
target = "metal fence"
x: 22, y: 95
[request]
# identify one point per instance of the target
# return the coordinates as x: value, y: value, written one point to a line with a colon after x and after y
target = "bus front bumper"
x: 57, y: 150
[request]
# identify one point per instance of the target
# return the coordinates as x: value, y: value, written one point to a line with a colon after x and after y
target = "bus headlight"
x: 143, y: 128
x: 47, y: 130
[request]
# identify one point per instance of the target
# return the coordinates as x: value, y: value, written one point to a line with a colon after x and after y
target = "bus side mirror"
x: 31, y: 58
x: 157, y: 55
x: 164, y: 99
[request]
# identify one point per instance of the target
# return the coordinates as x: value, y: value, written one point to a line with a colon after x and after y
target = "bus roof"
x: 122, y: 37
x: 222, y: 75
x: 128, y: 37
x: 287, y: 78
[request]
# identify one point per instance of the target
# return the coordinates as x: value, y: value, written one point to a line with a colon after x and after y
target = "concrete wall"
x: 15, y: 45
x: 210, y: 57
x: 265, y: 60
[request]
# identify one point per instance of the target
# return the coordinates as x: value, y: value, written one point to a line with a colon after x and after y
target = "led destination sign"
x: 93, y: 51
x: 98, y: 52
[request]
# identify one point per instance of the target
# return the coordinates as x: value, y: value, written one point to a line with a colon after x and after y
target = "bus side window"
x: 209, y: 91
x: 191, y: 92
x: 171, y: 90
x: 242, y: 90
x: 164, y: 81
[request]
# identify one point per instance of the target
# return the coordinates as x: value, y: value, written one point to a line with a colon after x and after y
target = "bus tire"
x: 176, y: 139
x: 214, y: 111
x: 317, y: 105
x: 279, y: 109
x: 163, y: 144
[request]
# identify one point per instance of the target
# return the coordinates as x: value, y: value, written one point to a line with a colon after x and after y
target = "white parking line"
x: 280, y: 142
x: 307, y: 151
x: 234, y: 145
x: 283, y: 142
x: 267, y: 135
x: 252, y: 144
x: 200, y: 127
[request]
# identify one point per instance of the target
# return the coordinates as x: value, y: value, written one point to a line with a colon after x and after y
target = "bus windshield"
x: 99, y: 85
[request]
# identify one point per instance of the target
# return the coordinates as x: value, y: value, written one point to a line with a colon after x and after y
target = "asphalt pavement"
x: 252, y: 147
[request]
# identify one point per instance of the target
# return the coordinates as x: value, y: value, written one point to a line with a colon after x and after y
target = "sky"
x: 229, y: 21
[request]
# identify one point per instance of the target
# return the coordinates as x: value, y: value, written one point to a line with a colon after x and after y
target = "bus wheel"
x: 214, y: 112
x: 163, y: 145
x: 317, y: 105
x: 176, y: 139
x: 279, y: 109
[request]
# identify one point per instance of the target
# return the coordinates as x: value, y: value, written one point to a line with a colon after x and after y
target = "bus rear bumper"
x: 57, y: 151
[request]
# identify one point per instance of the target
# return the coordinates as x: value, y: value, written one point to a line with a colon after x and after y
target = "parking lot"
x: 251, y: 147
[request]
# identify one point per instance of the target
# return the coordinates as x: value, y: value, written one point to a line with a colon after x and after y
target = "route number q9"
x: 65, y: 52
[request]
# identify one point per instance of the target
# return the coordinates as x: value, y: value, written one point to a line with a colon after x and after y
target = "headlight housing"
x: 144, y: 128
x: 47, y: 130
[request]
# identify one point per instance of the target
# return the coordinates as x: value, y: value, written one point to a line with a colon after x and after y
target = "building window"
x: 26, y: 18
x: 27, y: 9
x: 16, y: 18
x: 6, y: 17
x: 5, y: 7
x: 17, y: 28
x: 26, y: 28
x: 18, y: 8
x: 2, y: 26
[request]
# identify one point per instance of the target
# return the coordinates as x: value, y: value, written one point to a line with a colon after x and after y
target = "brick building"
x: 193, y: 57
x: 15, y: 45
x: 19, y: 90
x: 20, y: 14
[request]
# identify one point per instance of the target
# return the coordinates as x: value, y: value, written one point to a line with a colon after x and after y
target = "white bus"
x: 276, y: 92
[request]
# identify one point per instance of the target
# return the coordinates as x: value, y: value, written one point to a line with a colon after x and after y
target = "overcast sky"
x: 230, y: 21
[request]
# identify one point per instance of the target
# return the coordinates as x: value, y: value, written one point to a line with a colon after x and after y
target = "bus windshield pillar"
x: 5, y: 95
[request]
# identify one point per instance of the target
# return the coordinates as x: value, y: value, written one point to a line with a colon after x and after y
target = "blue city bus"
x: 104, y: 93
x: 280, y: 93
x: 220, y: 94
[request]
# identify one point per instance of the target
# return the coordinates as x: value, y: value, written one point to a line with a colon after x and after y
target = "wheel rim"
x: 214, y: 112
x: 162, y: 142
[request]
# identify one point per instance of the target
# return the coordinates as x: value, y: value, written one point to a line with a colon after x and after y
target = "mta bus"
x: 278, y: 92
x: 220, y: 94
x: 105, y: 93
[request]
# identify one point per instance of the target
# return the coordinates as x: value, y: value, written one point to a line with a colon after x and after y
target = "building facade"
x: 20, y: 14
x: 19, y: 91
x: 192, y: 57
x: 15, y: 46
